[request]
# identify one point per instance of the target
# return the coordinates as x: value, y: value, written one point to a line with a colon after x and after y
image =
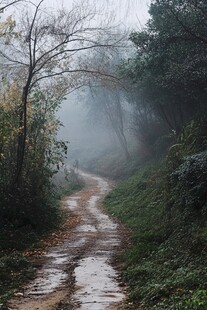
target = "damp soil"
x: 79, y: 272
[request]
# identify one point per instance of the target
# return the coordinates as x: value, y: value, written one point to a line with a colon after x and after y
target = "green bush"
x: 189, y: 182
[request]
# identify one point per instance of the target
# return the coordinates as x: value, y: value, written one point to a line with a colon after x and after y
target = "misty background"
x: 87, y: 136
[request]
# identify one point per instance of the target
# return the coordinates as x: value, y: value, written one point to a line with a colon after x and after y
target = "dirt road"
x: 77, y: 274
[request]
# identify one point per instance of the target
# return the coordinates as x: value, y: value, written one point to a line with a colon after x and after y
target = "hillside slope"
x: 165, y: 208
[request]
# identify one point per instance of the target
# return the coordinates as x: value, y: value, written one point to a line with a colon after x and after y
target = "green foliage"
x: 190, y: 300
x: 197, y: 301
x: 165, y: 206
x: 14, y: 262
x: 28, y: 207
x: 167, y: 74
x: 189, y: 182
x: 165, y: 264
x: 193, y: 139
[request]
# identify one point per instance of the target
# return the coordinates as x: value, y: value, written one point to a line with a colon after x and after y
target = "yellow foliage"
x: 7, y: 30
x: 10, y: 98
x: 10, y: 101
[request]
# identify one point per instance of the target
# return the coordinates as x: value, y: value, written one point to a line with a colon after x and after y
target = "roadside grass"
x: 165, y: 265
x: 25, y: 235
x: 14, y: 270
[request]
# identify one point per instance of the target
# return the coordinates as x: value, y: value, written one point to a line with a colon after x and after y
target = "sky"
x: 131, y: 13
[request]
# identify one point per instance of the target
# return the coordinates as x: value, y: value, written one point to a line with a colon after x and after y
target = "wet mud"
x: 79, y: 271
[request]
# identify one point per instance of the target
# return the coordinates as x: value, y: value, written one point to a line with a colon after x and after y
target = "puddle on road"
x: 94, y: 240
x: 78, y: 243
x: 102, y: 184
x: 86, y: 228
x: 49, y: 280
x: 105, y: 223
x: 53, y: 275
x: 58, y: 258
x: 72, y: 203
x: 98, y: 288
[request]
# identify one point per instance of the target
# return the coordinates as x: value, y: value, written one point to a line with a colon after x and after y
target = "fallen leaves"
x: 56, y: 237
x: 36, y: 252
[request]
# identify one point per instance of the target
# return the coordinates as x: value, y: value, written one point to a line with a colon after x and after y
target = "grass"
x: 166, y: 264
x: 15, y: 269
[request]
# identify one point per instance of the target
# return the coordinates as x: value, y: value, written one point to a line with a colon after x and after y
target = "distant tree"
x: 106, y: 100
x: 107, y: 106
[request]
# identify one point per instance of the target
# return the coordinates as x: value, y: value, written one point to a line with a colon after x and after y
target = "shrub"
x: 189, y: 182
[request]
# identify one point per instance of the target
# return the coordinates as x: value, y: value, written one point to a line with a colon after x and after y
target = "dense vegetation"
x: 167, y: 75
x: 165, y: 263
x: 164, y: 204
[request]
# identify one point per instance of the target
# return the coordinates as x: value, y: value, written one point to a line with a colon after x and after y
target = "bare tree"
x: 4, y: 4
x: 47, y: 45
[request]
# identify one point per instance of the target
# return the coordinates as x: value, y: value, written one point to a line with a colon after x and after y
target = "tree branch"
x: 92, y: 72
x: 13, y: 60
x: 2, y: 8
x: 30, y: 32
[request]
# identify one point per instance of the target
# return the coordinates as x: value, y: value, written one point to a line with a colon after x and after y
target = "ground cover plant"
x: 165, y: 264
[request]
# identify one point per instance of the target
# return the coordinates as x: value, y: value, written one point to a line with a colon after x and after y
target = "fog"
x: 87, y: 138
x: 132, y: 13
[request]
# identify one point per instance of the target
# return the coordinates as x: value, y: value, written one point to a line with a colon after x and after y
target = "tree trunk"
x: 22, y: 135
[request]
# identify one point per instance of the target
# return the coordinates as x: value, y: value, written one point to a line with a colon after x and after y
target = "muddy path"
x: 78, y: 273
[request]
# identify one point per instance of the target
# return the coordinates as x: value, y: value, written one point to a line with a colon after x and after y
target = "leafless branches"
x: 5, y: 4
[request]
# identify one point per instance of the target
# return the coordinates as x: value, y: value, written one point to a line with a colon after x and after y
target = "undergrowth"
x: 166, y: 263
x: 25, y: 233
